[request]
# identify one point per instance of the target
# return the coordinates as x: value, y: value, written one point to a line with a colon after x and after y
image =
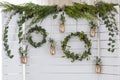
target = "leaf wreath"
x: 39, y: 29
x: 72, y: 55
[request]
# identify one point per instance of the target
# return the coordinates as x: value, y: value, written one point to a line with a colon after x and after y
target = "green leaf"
x: 5, y: 44
x: 11, y: 56
x: 6, y: 36
x: 55, y: 16
x: 6, y: 40
x: 109, y: 49
x: 20, y: 39
x: 20, y: 34
x: 109, y: 44
x: 113, y: 45
x: 7, y: 47
x: 20, y: 28
x: 113, y: 50
x: 113, y: 41
x: 9, y: 51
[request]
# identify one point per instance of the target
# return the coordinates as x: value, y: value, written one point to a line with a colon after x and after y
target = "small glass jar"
x: 62, y: 28
x: 98, y: 69
x: 24, y: 59
x: 52, y: 50
x: 92, y: 32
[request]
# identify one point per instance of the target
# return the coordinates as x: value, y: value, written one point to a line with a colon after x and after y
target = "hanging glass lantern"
x: 24, y: 59
x: 52, y: 50
x: 92, y: 32
x: 23, y: 50
x: 62, y: 28
x: 98, y: 69
x: 62, y: 23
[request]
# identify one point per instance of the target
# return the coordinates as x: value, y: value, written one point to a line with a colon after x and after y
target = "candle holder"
x: 62, y: 28
x: 24, y: 59
x: 62, y: 23
x: 92, y: 32
x: 52, y: 50
x: 52, y: 46
x: 98, y: 69
x: 98, y: 63
x: 93, y: 28
x: 23, y: 52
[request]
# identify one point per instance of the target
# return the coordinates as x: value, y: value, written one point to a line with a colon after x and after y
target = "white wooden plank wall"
x: 42, y: 66
x: 69, y: 2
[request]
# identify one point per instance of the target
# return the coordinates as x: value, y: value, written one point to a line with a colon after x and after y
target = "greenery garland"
x: 107, y: 12
x: 77, y: 11
x: 5, y: 36
x: 20, y: 23
x: 39, y: 29
x: 82, y: 37
x: 6, y: 43
x: 113, y: 30
x: 31, y: 11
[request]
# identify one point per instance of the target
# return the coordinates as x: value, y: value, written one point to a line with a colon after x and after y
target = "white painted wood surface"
x: 42, y: 66
x: 69, y: 2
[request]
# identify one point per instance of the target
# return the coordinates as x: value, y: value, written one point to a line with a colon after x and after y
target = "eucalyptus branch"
x: 81, y: 11
x: 106, y: 12
x: 98, y: 61
x: 5, y: 36
x: 20, y: 23
x: 93, y: 24
x: 52, y: 42
x: 109, y: 21
x: 23, y: 52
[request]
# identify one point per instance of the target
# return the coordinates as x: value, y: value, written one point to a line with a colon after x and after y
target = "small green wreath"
x: 39, y: 29
x: 72, y: 55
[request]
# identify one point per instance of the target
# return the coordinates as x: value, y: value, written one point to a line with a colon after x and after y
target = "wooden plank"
x: 71, y: 77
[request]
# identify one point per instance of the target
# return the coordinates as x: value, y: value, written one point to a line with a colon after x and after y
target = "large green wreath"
x: 82, y: 37
x: 39, y: 29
